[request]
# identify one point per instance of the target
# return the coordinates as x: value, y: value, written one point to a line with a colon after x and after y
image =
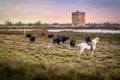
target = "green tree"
x: 30, y: 24
x: 19, y: 23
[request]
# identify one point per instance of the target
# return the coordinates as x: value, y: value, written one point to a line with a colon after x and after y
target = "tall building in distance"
x: 78, y: 19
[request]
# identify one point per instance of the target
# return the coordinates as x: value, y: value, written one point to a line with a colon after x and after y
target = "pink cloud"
x: 103, y: 15
x: 58, y: 14
x: 29, y: 15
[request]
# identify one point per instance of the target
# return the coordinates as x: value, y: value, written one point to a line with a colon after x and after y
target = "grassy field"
x: 41, y: 60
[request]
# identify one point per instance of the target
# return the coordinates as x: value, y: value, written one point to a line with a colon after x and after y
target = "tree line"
x: 19, y: 23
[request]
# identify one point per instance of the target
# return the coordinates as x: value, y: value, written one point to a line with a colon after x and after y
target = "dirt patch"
x: 46, y: 45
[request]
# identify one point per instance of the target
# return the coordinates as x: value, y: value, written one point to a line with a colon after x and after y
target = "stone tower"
x: 78, y: 19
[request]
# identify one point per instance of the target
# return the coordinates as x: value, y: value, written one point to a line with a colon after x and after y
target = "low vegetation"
x: 41, y: 60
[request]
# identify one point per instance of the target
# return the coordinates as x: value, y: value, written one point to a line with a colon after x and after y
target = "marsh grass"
x: 37, y: 61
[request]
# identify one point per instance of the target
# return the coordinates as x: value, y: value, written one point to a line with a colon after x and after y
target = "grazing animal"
x: 72, y: 43
x: 84, y: 45
x: 64, y: 38
x: 50, y: 36
x: 28, y: 35
x: 32, y: 38
x: 56, y: 40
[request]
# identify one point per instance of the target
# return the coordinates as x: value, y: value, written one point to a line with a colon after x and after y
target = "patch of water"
x: 87, y: 30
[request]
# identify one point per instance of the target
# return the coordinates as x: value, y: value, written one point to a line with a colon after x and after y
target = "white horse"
x: 85, y: 45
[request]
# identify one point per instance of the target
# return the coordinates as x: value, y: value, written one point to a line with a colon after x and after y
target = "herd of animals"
x: 81, y: 47
x: 56, y: 40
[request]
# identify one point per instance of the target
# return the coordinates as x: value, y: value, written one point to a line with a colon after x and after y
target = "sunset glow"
x: 50, y: 11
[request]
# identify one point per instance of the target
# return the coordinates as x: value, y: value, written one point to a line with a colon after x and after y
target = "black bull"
x: 72, y: 43
x: 60, y: 38
x: 31, y: 37
x: 50, y: 36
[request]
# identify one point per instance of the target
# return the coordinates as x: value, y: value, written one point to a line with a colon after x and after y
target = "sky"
x: 59, y: 11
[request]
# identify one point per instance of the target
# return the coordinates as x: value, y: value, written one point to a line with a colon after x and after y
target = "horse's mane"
x: 95, y: 39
